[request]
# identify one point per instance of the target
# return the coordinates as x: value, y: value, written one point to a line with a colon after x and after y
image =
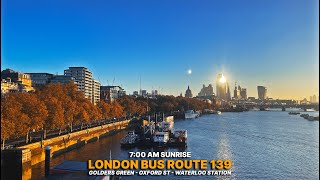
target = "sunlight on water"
x: 224, y: 153
x: 261, y: 145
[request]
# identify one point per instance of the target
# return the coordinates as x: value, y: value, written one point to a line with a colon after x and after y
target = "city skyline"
x: 272, y: 44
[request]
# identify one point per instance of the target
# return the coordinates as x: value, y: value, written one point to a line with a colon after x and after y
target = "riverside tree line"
x: 61, y: 106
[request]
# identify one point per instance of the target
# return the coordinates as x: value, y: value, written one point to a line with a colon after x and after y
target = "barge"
x: 131, y: 139
x: 157, y: 134
x: 294, y: 113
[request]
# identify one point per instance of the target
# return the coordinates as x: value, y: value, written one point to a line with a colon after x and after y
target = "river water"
x: 260, y: 144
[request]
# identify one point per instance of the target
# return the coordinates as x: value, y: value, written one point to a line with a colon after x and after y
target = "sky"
x: 274, y: 43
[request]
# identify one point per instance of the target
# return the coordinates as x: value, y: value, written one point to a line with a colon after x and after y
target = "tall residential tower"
x: 85, y: 82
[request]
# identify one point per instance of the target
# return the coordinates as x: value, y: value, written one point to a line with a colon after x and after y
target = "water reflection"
x: 279, y: 141
x: 224, y: 153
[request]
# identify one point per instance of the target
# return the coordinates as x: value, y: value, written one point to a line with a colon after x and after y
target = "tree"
x: 55, y: 117
x: 33, y: 113
x: 116, y: 110
x: 9, y: 111
x: 167, y: 107
x: 82, y: 116
x: 142, y: 107
x: 105, y: 109
x: 129, y: 105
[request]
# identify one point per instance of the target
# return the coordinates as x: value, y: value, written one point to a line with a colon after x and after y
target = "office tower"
x: 222, y: 88
x: 237, y: 92
x: 262, y: 92
x: 40, y: 79
x: 112, y: 93
x: 243, y: 93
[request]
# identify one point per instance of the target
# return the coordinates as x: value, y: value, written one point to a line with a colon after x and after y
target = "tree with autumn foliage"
x: 129, y: 104
x: 8, y: 120
x: 88, y: 112
x: 26, y: 111
x: 116, y: 110
x: 58, y: 106
x: 105, y: 109
x: 132, y: 105
x: 35, y: 110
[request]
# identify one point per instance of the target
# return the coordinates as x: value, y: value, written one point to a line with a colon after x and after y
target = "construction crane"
x: 113, y: 81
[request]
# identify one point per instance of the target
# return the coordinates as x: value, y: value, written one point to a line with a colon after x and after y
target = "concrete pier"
x: 16, y: 163
x: 71, y: 141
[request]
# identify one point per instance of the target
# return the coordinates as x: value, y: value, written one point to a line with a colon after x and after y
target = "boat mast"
x: 156, y: 118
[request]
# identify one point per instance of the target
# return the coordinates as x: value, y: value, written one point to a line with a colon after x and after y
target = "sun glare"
x: 222, y: 79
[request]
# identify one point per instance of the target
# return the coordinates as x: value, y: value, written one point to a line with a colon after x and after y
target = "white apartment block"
x: 85, y: 82
x: 95, y: 91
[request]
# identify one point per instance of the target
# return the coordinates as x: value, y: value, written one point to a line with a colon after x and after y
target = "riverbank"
x: 20, y: 160
x: 245, y: 138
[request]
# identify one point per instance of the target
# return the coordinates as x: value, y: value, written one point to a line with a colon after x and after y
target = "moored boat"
x: 160, y: 138
x: 304, y: 115
x: 130, y: 139
x: 190, y: 114
x: 264, y: 109
x: 311, y: 118
x: 294, y: 113
x: 180, y: 138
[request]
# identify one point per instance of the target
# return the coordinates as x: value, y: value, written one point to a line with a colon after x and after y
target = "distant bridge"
x: 301, y: 106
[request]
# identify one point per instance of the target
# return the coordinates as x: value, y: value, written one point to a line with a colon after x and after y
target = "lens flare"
x: 222, y: 79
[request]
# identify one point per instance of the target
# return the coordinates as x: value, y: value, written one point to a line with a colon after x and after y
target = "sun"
x: 222, y: 79
x: 189, y: 71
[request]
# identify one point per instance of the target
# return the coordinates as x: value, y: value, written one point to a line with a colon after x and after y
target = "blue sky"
x: 266, y: 42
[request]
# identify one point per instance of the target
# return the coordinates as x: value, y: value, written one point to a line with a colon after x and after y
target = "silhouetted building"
x: 135, y: 93
x: 154, y: 92
x: 313, y: 99
x: 304, y: 101
x: 243, y: 93
x: 262, y: 92
x: 206, y: 91
x: 236, y: 92
x: 188, y: 93
x: 144, y: 93
x: 239, y: 92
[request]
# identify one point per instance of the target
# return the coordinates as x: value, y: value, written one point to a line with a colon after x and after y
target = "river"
x: 260, y: 144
